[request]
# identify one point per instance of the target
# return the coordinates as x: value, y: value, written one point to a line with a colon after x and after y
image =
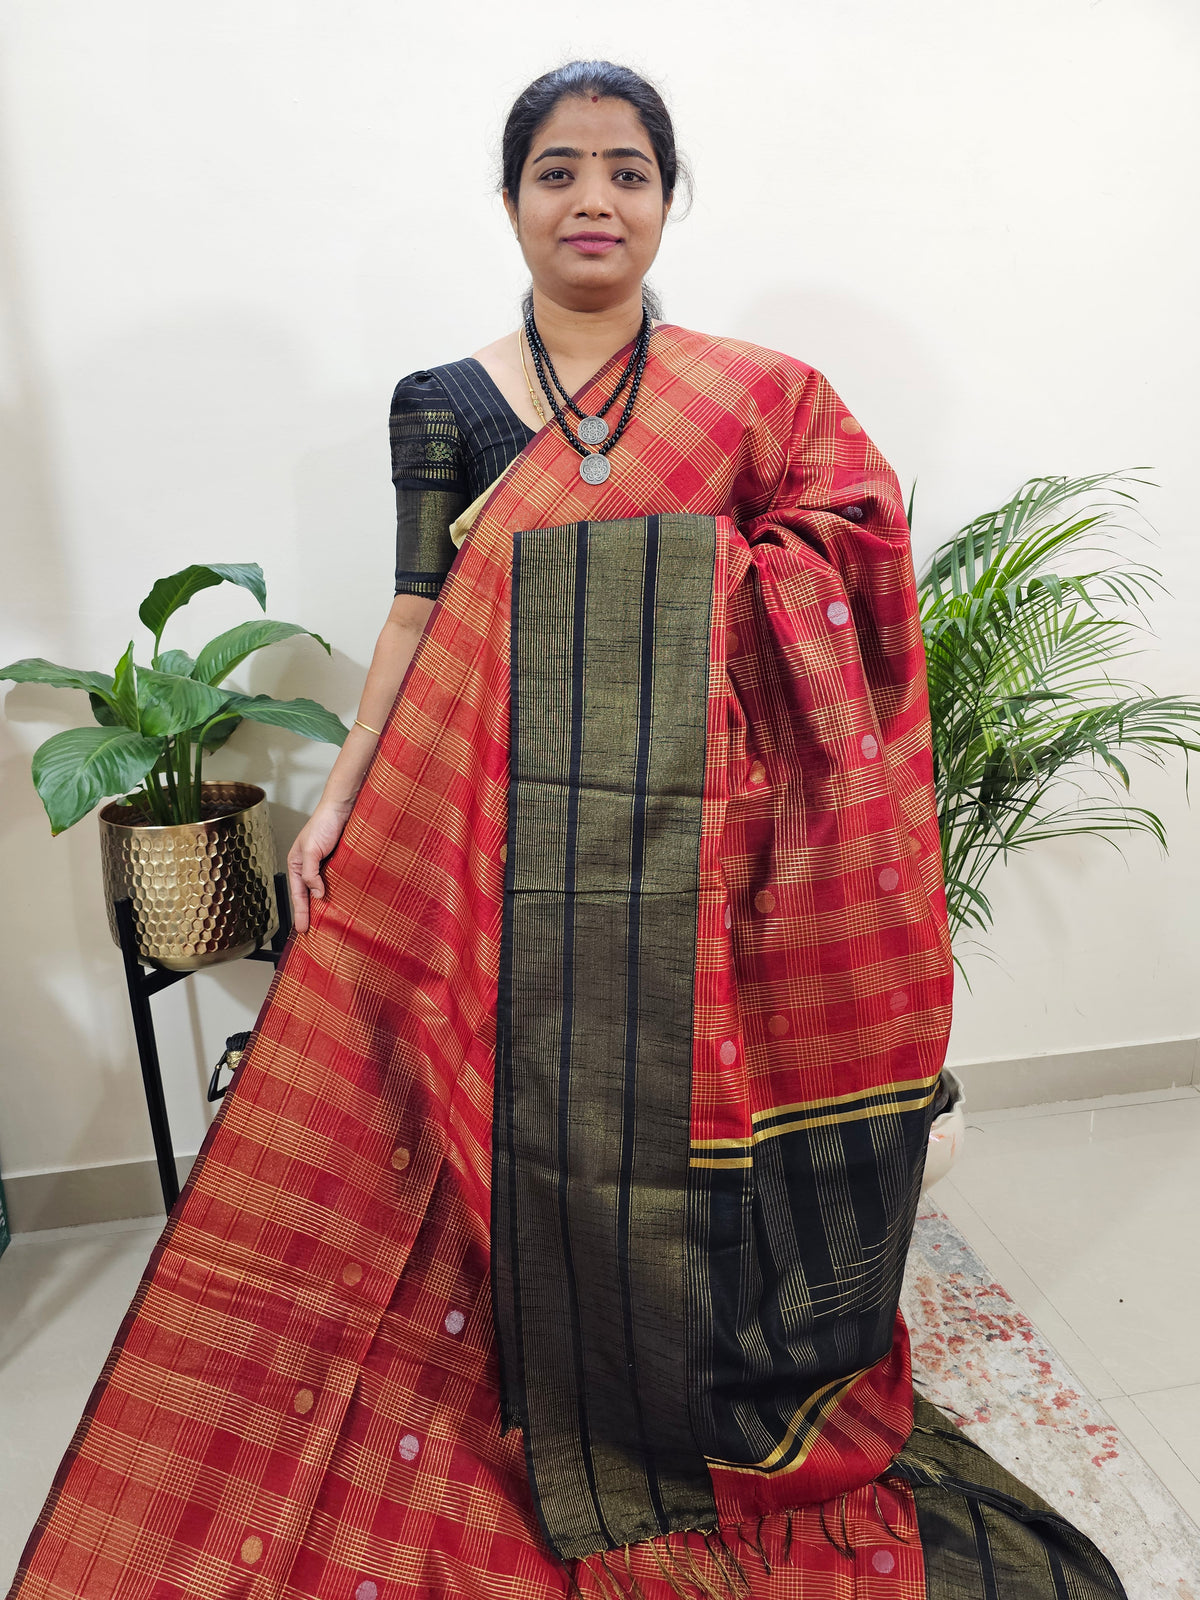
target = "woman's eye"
x: 554, y: 172
x: 630, y: 173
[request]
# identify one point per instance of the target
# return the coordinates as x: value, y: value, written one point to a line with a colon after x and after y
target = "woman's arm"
x: 394, y: 650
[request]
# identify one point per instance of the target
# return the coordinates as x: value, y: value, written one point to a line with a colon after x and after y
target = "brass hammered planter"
x: 202, y: 892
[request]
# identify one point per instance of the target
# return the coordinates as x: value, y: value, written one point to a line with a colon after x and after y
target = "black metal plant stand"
x: 143, y: 983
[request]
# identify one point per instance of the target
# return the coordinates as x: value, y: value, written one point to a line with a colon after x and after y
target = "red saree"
x: 552, y: 1237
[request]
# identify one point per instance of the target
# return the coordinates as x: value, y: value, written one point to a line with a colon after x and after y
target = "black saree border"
x: 609, y: 687
x: 802, y: 1231
x: 986, y: 1533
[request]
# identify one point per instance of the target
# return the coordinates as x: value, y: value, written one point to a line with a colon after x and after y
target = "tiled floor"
x: 62, y: 1296
x: 1088, y: 1213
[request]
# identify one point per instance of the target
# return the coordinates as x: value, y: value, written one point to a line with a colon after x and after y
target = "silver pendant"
x: 594, y: 469
x: 593, y: 430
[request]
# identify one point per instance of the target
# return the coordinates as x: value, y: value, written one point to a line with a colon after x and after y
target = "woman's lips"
x: 592, y: 244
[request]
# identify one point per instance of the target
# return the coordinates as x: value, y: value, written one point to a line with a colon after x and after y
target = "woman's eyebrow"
x: 622, y: 152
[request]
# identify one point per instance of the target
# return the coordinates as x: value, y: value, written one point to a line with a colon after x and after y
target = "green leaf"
x: 103, y: 712
x: 74, y: 770
x: 36, y: 669
x: 218, y: 733
x: 1027, y: 613
x: 177, y: 662
x: 298, y: 716
x: 169, y: 704
x: 125, y: 691
x: 972, y: 904
x: 227, y: 650
x: 168, y: 594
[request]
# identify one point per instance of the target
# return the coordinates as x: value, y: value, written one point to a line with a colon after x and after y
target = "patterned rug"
x: 985, y: 1364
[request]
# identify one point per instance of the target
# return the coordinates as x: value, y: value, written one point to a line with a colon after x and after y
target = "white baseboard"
x: 76, y: 1195
x: 1079, y: 1074
x: 124, y: 1189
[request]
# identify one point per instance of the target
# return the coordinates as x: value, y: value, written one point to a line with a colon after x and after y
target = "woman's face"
x: 590, y: 212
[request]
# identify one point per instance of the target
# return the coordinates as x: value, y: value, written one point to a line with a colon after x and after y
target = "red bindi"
x: 595, y: 97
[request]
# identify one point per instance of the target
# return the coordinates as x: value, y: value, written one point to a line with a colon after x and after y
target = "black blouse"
x: 453, y: 433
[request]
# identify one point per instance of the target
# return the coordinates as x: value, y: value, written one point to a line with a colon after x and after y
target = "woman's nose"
x: 594, y: 201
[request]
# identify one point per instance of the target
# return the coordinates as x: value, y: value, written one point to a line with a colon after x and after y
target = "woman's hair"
x: 583, y: 79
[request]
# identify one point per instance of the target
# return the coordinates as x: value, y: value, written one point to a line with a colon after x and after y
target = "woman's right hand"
x: 397, y: 641
x: 314, y: 842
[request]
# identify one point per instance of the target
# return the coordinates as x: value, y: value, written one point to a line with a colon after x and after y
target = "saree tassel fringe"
x: 697, y: 1577
x: 668, y: 1578
x: 760, y: 1548
x: 895, y: 1533
x: 844, y: 1547
x: 610, y: 1576
x: 635, y: 1587
x: 587, y: 1566
x: 682, y: 1568
x: 726, y: 1575
x: 731, y: 1555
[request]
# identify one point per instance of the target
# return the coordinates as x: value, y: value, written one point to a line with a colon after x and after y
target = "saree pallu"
x: 552, y: 1237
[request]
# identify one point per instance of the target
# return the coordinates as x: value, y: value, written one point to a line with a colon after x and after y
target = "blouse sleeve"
x: 429, y: 475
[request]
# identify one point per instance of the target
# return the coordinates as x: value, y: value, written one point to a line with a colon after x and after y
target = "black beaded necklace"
x: 593, y: 430
x: 590, y: 432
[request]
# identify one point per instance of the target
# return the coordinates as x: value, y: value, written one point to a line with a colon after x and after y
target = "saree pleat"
x: 550, y: 1240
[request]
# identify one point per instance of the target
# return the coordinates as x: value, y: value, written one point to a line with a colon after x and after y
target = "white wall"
x: 227, y: 230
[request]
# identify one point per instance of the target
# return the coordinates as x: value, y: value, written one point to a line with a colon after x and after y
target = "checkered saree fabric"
x: 304, y: 1399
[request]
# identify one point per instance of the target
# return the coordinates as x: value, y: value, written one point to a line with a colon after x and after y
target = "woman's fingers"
x: 310, y: 871
x: 297, y: 892
x: 315, y: 841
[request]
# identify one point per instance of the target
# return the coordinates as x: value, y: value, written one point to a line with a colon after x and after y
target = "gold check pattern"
x: 303, y: 1400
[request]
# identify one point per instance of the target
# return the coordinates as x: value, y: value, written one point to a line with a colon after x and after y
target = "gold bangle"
x: 359, y: 723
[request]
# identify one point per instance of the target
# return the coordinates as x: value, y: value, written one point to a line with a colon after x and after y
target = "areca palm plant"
x: 1029, y: 613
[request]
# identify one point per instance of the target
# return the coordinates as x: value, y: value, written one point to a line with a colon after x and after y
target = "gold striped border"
x: 913, y: 1094
x: 812, y: 1415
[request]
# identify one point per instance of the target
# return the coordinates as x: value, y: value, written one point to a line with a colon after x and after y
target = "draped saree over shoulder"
x: 552, y: 1238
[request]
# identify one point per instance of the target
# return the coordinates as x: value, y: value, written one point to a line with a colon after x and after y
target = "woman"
x: 551, y: 1242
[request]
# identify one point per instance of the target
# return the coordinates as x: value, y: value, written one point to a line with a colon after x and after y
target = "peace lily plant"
x: 156, y: 724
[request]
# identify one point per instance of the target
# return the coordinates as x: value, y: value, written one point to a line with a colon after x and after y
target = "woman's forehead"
x: 594, y: 124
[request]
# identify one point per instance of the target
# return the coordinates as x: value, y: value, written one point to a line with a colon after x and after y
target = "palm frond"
x: 1028, y: 614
